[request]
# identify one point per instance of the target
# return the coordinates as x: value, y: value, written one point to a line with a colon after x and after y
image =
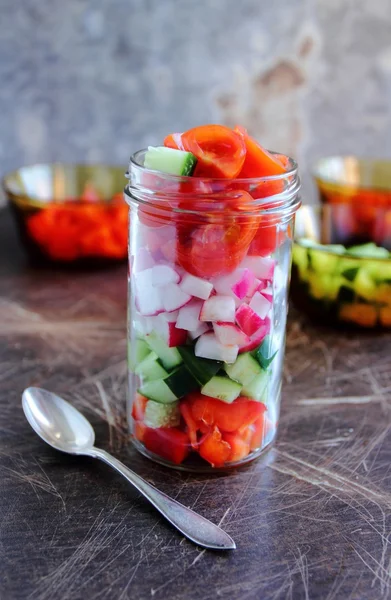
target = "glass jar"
x: 209, y: 265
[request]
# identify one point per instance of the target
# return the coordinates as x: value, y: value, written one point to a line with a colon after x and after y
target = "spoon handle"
x: 192, y: 525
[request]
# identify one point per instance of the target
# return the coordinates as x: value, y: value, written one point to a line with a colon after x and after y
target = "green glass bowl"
x: 332, y: 287
x: 70, y: 213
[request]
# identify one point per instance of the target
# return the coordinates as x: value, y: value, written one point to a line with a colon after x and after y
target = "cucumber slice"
x: 169, y: 357
x: 181, y: 382
x: 169, y: 160
x: 202, y: 369
x: 364, y: 285
x: 322, y: 261
x: 137, y: 352
x: 157, y: 390
x: 351, y: 273
x: 263, y: 354
x: 161, y: 415
x: 370, y: 250
x: 222, y: 388
x: 300, y: 259
x: 324, y: 286
x: 244, y: 369
x: 149, y: 369
x: 257, y: 388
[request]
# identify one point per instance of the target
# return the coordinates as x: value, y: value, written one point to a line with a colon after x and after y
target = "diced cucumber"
x: 161, y: 415
x: 322, y: 261
x: 150, y: 369
x: 244, y: 369
x: 370, y: 250
x: 300, y: 259
x: 222, y: 388
x: 379, y: 270
x: 324, y: 286
x: 361, y: 314
x: 263, y: 354
x: 350, y: 273
x: 181, y: 382
x: 364, y: 285
x: 257, y: 388
x: 157, y: 390
x: 137, y: 352
x: 169, y: 160
x: 169, y: 357
x: 202, y: 369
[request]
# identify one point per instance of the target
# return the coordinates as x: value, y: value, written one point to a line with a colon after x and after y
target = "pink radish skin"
x: 195, y: 286
x: 202, y: 328
x: 218, y: 308
x: 207, y: 346
x: 163, y: 275
x: 248, y: 320
x: 260, y: 305
x: 230, y: 335
x: 242, y: 287
x: 173, y: 298
x: 172, y: 335
x: 257, y: 338
x: 188, y: 316
x: 262, y: 267
x: 268, y: 296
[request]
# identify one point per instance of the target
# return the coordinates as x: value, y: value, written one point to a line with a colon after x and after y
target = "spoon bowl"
x: 57, y: 422
x: 64, y: 428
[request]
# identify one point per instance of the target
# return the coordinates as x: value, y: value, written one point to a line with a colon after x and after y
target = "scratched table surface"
x: 312, y: 519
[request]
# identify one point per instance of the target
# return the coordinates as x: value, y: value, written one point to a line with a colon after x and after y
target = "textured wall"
x: 94, y: 79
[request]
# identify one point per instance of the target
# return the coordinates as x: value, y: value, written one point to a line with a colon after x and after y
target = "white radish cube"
x: 148, y: 303
x: 172, y: 296
x: 202, y: 328
x: 143, y: 325
x: 169, y: 317
x: 189, y: 315
x: 261, y: 266
x: 207, y: 346
x: 260, y: 305
x: 164, y: 274
x: 143, y: 279
x: 143, y: 260
x: 229, y: 334
x: 243, y: 286
x: 248, y: 320
x: 223, y: 285
x: 195, y: 286
x: 218, y: 308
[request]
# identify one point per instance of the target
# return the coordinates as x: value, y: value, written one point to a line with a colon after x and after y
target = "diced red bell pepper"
x: 227, y: 417
x: 214, y: 449
x: 258, y: 433
x: 168, y: 442
x: 138, y: 408
x: 240, y: 448
x: 190, y: 423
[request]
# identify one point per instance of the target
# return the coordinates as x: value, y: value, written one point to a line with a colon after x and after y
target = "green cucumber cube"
x: 202, y: 369
x: 157, y: 390
x: 169, y: 357
x: 222, y: 388
x: 161, y: 415
x: 244, y: 369
x: 137, y: 352
x: 257, y: 389
x: 149, y: 369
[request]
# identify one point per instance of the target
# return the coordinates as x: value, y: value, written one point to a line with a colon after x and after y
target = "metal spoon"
x: 64, y: 428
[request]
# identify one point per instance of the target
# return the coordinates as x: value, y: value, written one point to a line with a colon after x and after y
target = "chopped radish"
x: 243, y: 286
x: 268, y: 297
x: 202, y: 328
x: 229, y: 334
x: 148, y: 303
x: 223, y: 285
x: 172, y: 296
x: 164, y: 274
x: 170, y: 317
x: 143, y: 260
x: 143, y: 279
x: 248, y: 320
x: 176, y: 336
x: 262, y: 267
x: 155, y: 237
x: 218, y: 308
x: 279, y: 279
x: 143, y: 325
x: 256, y: 284
x: 257, y: 338
x: 195, y: 286
x: 172, y: 335
x: 188, y: 317
x: 260, y: 304
x: 207, y: 346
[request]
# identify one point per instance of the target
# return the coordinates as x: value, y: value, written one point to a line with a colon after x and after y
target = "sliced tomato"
x: 220, y: 151
x: 168, y: 442
x: 218, y: 247
x: 227, y: 417
x: 214, y: 449
x: 138, y: 408
x: 240, y: 448
x: 267, y: 239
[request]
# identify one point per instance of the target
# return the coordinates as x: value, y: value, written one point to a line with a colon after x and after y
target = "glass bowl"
x: 332, y: 286
x: 70, y: 213
x: 363, y: 186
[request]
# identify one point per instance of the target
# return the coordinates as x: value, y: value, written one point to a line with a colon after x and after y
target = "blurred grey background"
x: 93, y: 80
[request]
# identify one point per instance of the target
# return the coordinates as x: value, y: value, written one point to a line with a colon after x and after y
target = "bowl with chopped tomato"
x: 338, y: 278
x: 211, y: 222
x: 70, y: 213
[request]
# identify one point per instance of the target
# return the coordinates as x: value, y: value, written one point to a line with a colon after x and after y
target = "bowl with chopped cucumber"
x: 335, y: 280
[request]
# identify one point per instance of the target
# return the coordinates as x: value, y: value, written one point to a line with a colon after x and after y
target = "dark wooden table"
x: 312, y: 519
